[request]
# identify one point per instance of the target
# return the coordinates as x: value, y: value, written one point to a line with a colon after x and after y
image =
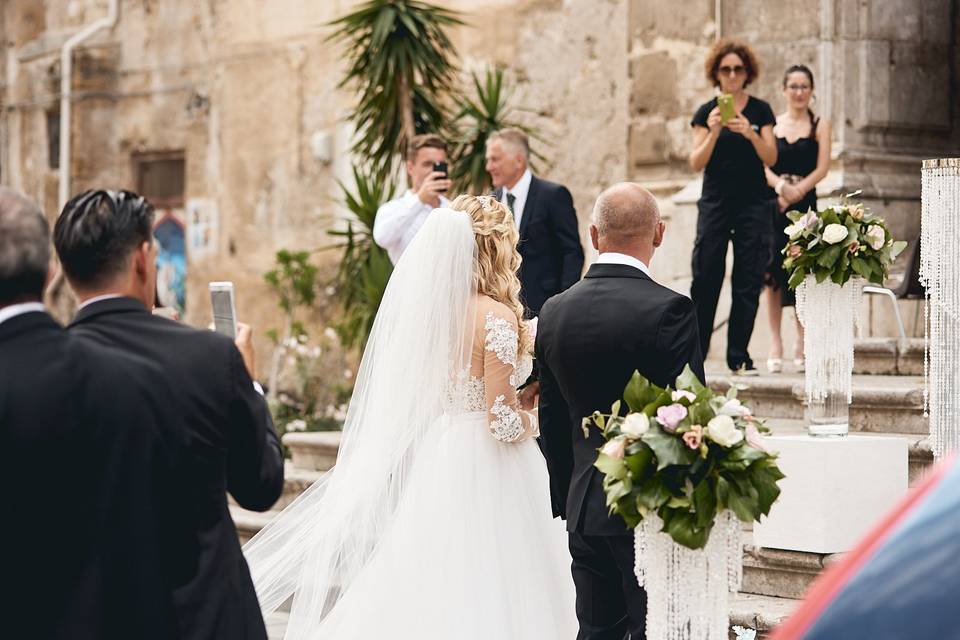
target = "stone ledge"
x: 781, y: 573
x: 762, y: 613
x: 313, y: 451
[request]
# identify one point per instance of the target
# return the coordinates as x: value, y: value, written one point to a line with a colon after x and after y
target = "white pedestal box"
x: 836, y: 489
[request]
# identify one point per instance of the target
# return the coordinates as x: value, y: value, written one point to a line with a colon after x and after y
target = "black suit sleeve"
x: 678, y: 340
x: 555, y: 436
x: 566, y: 233
x: 254, y: 453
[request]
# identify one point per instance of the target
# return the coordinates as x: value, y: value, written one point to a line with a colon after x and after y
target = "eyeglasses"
x: 798, y: 87
x: 737, y: 70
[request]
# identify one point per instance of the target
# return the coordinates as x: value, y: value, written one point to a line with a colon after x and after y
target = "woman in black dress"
x: 803, y: 159
x: 735, y: 202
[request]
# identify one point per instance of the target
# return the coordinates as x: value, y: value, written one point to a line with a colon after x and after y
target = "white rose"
x: 834, y: 233
x: 793, y: 230
x: 875, y: 237
x: 680, y: 394
x: 733, y: 408
x: 635, y: 425
x: 723, y: 431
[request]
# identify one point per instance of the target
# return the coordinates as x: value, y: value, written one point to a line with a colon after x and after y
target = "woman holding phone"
x: 732, y: 141
x: 803, y: 159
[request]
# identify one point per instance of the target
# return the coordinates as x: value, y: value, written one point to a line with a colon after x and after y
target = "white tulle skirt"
x: 474, y: 553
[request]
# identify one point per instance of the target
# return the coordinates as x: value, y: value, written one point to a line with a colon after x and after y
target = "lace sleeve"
x: 507, y: 421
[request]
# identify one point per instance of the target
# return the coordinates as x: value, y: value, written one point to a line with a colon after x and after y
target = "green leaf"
x: 616, y: 489
x: 705, y: 503
x: 639, y: 392
x: 688, y: 381
x: 741, y: 456
x: 638, y: 459
x: 764, y: 476
x: 681, y: 525
x: 611, y: 467
x: 652, y: 494
x: 667, y: 448
x: 742, y: 498
x: 897, y: 248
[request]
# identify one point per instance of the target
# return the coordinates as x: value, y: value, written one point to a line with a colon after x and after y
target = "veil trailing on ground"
x: 420, y: 343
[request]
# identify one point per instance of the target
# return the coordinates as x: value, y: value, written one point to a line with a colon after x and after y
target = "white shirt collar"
x: 522, y: 188
x: 14, y: 310
x: 108, y: 296
x: 611, y: 257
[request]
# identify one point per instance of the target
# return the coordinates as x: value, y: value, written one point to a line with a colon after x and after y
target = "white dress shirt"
x: 519, y: 191
x: 611, y: 257
x: 399, y: 220
x: 14, y: 310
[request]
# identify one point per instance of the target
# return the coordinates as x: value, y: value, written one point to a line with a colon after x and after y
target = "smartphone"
x: 440, y: 167
x: 224, y: 309
x: 727, y: 112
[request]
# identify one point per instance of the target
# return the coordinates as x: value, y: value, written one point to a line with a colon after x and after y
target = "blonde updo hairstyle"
x: 497, y: 261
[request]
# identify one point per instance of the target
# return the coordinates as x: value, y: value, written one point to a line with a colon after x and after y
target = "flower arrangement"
x: 685, y: 454
x: 838, y: 243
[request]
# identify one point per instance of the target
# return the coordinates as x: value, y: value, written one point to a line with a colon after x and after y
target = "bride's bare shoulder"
x: 487, y: 305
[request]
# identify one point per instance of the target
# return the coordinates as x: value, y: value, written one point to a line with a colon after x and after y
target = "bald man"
x: 590, y: 340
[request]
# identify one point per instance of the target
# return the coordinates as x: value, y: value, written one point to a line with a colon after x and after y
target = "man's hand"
x: 782, y: 203
x: 791, y: 194
x: 244, y: 342
x: 529, y: 396
x: 433, y: 185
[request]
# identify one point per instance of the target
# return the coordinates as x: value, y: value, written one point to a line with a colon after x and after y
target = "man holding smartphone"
x: 105, y: 244
x: 398, y: 221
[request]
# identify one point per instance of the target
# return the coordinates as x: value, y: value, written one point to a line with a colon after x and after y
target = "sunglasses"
x: 737, y: 70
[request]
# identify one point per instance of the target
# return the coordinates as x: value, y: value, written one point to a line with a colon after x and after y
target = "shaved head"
x: 625, y: 213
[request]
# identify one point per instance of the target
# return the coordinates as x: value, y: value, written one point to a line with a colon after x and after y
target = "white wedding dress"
x: 436, y: 522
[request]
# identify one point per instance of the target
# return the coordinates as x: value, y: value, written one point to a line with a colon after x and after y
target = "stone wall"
x: 244, y: 88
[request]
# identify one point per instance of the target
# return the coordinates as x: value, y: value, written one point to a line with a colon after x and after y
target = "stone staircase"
x: 887, y: 401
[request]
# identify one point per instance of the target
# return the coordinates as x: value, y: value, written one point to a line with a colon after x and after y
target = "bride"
x: 435, y: 523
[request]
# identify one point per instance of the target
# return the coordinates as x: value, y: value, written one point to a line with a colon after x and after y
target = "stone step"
x: 888, y: 356
x: 781, y: 573
x: 881, y: 403
x: 314, y: 450
x: 760, y: 613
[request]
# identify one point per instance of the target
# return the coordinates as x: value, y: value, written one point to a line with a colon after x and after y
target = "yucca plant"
x: 401, y: 61
x: 365, y: 267
x: 476, y: 118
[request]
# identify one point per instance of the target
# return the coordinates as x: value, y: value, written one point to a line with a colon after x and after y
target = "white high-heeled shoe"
x: 774, y: 365
x: 801, y: 365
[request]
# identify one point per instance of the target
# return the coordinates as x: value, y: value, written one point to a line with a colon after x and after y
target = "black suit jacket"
x: 590, y: 340
x: 549, y: 243
x: 233, y: 447
x: 90, y: 490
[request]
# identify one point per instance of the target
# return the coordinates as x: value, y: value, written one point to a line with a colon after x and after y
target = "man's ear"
x: 141, y: 260
x: 658, y: 234
x: 595, y: 237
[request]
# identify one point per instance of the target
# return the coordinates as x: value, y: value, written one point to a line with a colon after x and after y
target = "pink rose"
x: 615, y: 448
x: 853, y: 247
x: 794, y: 251
x: 670, y: 416
x: 755, y: 438
x: 694, y: 437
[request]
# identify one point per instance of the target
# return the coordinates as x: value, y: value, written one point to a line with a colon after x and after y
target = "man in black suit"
x: 89, y: 447
x: 549, y: 235
x: 105, y: 244
x: 590, y: 340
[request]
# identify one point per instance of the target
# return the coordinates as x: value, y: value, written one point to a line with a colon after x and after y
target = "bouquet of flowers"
x: 837, y: 243
x: 686, y: 454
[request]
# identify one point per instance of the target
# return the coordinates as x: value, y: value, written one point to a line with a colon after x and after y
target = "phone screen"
x: 224, y: 312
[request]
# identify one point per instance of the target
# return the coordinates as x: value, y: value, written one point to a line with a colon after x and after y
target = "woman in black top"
x: 735, y: 202
x: 803, y: 159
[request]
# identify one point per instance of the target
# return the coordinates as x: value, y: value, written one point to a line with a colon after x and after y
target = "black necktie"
x: 510, y: 200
